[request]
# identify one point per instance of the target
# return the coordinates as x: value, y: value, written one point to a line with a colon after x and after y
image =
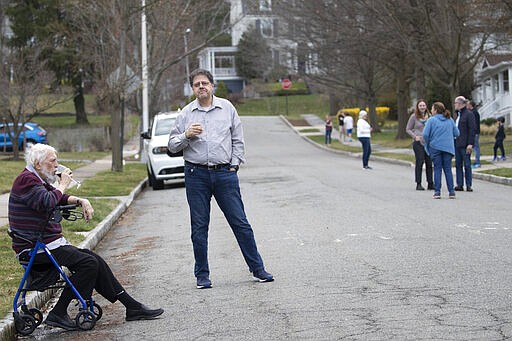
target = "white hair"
x: 461, y: 99
x: 363, y: 114
x: 38, y: 152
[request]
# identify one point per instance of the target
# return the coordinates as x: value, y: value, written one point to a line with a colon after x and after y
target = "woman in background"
x: 328, y: 130
x: 364, y: 133
x: 438, y: 136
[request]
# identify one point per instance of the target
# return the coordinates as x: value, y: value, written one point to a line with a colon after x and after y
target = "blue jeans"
x: 442, y: 163
x: 367, y: 149
x: 476, y: 148
x: 463, y: 167
x: 222, y: 183
x: 328, y: 136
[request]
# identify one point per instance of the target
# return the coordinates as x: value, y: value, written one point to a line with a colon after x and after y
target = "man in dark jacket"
x: 464, y: 143
x: 476, y: 146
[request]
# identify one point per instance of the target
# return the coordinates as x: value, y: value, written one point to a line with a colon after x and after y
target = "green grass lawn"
x: 10, y: 169
x: 504, y: 172
x: 276, y: 105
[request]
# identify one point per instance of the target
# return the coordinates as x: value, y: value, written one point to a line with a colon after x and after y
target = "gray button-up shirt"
x: 222, y: 140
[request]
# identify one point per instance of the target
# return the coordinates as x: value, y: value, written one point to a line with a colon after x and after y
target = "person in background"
x: 32, y: 201
x: 464, y: 144
x: 438, y: 135
x: 476, y: 146
x: 364, y: 132
x: 209, y: 131
x: 498, y: 140
x: 349, y: 125
x: 414, y: 128
x: 328, y: 130
x: 341, y: 127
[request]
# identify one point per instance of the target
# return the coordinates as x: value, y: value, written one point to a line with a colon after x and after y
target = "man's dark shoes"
x: 64, y: 322
x: 469, y: 189
x: 459, y: 188
x: 419, y: 187
x: 203, y: 283
x: 430, y: 187
x: 143, y: 313
x: 262, y: 276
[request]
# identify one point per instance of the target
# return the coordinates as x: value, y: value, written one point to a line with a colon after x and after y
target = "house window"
x: 267, y: 28
x: 224, y: 62
x: 505, y: 81
x: 265, y: 5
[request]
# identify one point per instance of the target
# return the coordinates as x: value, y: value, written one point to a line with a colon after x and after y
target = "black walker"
x: 27, y: 319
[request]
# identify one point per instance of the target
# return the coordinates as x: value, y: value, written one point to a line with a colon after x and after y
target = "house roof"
x: 495, y: 59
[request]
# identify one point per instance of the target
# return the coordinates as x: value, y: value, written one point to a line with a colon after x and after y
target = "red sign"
x: 286, y: 83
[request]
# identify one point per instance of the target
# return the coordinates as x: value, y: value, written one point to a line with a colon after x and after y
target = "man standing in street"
x: 476, y: 146
x: 209, y: 132
x: 464, y: 143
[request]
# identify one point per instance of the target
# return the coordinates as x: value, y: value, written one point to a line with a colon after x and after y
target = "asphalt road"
x: 357, y: 255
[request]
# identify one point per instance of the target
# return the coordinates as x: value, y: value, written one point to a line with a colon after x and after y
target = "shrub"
x: 382, y: 113
x: 221, y: 90
x: 486, y: 129
x: 489, y: 121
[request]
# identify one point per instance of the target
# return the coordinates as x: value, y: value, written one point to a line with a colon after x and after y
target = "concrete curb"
x: 38, y: 299
x: 492, y: 178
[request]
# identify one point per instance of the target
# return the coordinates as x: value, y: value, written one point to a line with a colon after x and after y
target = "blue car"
x: 34, y: 134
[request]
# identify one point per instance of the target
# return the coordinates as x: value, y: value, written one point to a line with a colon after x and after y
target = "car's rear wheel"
x: 154, y: 182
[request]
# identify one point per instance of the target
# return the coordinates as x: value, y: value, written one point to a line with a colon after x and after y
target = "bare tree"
x: 23, y: 80
x: 363, y: 45
x: 335, y: 48
x: 110, y: 35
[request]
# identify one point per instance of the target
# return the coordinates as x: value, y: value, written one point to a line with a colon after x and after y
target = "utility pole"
x: 118, y: 117
x: 144, y: 58
x: 187, y: 31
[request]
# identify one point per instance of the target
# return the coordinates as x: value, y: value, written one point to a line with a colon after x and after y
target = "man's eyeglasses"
x: 198, y: 84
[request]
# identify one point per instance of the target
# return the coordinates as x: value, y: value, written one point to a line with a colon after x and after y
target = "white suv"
x: 161, y: 164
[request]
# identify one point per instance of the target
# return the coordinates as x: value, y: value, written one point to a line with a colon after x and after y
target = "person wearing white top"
x: 364, y: 131
x: 348, y: 122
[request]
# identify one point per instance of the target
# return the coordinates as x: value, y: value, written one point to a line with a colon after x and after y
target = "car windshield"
x: 163, y: 126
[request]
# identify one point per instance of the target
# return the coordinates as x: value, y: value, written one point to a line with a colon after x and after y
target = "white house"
x: 493, y: 91
x: 220, y: 61
x: 245, y: 14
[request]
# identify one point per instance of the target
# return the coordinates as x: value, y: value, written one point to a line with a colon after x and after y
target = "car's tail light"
x: 160, y: 150
x: 41, y: 133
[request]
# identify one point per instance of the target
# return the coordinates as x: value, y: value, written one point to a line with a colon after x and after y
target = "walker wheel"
x: 85, y: 320
x: 98, y: 312
x: 25, y: 324
x: 37, y: 314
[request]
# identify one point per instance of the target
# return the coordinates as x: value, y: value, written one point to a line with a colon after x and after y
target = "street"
x: 357, y: 255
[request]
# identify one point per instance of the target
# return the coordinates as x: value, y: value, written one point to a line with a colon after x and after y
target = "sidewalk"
x: 129, y: 149
x: 317, y: 123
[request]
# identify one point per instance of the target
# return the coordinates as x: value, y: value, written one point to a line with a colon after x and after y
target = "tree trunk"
x: 402, y: 103
x: 79, y: 100
x: 117, y: 143
x: 421, y: 91
x: 333, y: 104
x: 15, y: 147
x: 372, y: 112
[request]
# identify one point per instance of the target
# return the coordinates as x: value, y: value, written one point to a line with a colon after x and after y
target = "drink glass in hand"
x: 61, y: 169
